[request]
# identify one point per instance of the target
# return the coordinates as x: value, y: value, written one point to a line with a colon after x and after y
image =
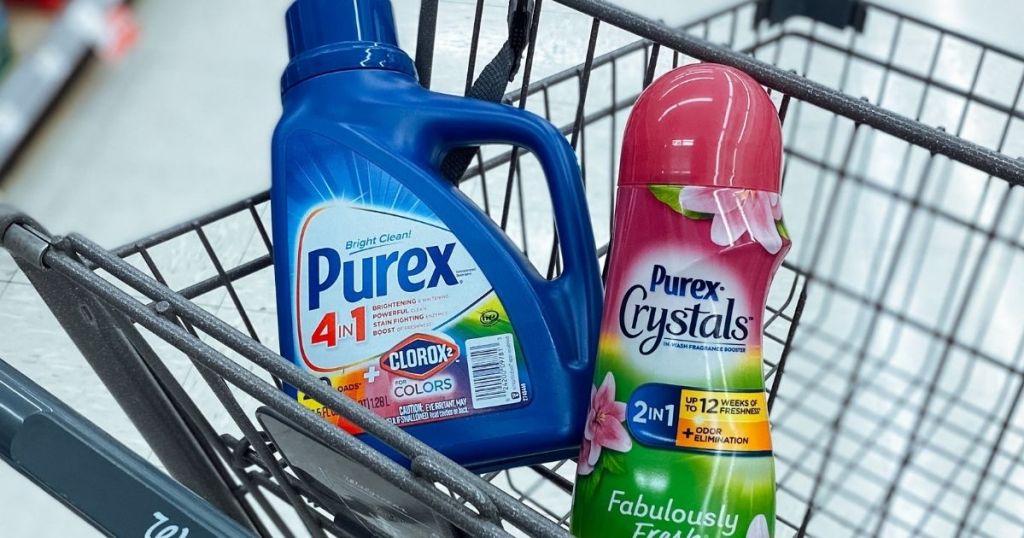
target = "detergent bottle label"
x: 394, y: 312
x: 678, y: 442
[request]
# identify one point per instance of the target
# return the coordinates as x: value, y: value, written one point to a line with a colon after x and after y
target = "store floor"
x: 182, y: 125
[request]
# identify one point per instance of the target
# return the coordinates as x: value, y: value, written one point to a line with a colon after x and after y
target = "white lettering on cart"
x: 170, y: 531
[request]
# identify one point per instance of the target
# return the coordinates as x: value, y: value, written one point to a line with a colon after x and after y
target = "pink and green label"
x: 677, y: 441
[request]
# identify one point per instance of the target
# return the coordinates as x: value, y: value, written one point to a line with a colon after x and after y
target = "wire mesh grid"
x: 893, y: 340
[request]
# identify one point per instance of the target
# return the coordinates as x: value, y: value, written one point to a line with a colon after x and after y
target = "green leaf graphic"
x: 697, y: 215
x: 781, y: 227
x: 613, y: 462
x: 587, y: 485
x: 668, y: 195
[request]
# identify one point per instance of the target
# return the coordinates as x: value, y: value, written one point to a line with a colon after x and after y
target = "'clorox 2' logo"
x: 419, y: 356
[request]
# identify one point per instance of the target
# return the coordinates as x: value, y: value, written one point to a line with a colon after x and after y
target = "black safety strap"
x: 493, y: 80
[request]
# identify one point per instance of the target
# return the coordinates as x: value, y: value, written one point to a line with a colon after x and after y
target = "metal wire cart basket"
x: 894, y: 335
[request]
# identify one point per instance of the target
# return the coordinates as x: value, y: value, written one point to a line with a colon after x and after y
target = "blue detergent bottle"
x: 394, y: 287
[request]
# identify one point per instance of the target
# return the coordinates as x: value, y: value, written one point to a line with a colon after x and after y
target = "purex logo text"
x: 651, y: 324
x: 375, y: 272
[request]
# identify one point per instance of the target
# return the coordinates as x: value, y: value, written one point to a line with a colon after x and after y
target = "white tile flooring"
x: 182, y: 125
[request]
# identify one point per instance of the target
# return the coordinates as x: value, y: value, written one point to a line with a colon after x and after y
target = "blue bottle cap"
x: 337, y: 35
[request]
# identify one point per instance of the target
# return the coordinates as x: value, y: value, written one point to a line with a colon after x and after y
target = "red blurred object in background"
x: 122, y: 33
x: 48, y: 5
x: 113, y: 30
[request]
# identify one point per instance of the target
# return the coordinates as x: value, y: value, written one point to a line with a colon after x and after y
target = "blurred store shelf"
x: 42, y: 69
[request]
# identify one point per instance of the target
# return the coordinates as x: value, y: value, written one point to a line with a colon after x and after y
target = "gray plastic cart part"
x: 129, y: 368
x: 83, y: 467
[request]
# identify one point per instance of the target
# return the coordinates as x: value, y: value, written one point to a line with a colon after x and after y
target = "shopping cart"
x: 894, y: 329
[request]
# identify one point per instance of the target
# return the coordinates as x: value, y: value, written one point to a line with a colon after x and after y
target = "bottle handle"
x: 466, y: 122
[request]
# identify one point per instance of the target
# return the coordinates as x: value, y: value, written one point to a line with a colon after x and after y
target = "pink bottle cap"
x: 703, y: 124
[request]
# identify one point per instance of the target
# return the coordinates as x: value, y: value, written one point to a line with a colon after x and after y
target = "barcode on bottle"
x: 493, y: 374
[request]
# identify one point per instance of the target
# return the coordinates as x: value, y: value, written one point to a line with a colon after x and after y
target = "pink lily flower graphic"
x: 736, y: 212
x: 604, y: 427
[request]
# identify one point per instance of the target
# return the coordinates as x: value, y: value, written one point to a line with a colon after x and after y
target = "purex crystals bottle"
x: 677, y: 441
